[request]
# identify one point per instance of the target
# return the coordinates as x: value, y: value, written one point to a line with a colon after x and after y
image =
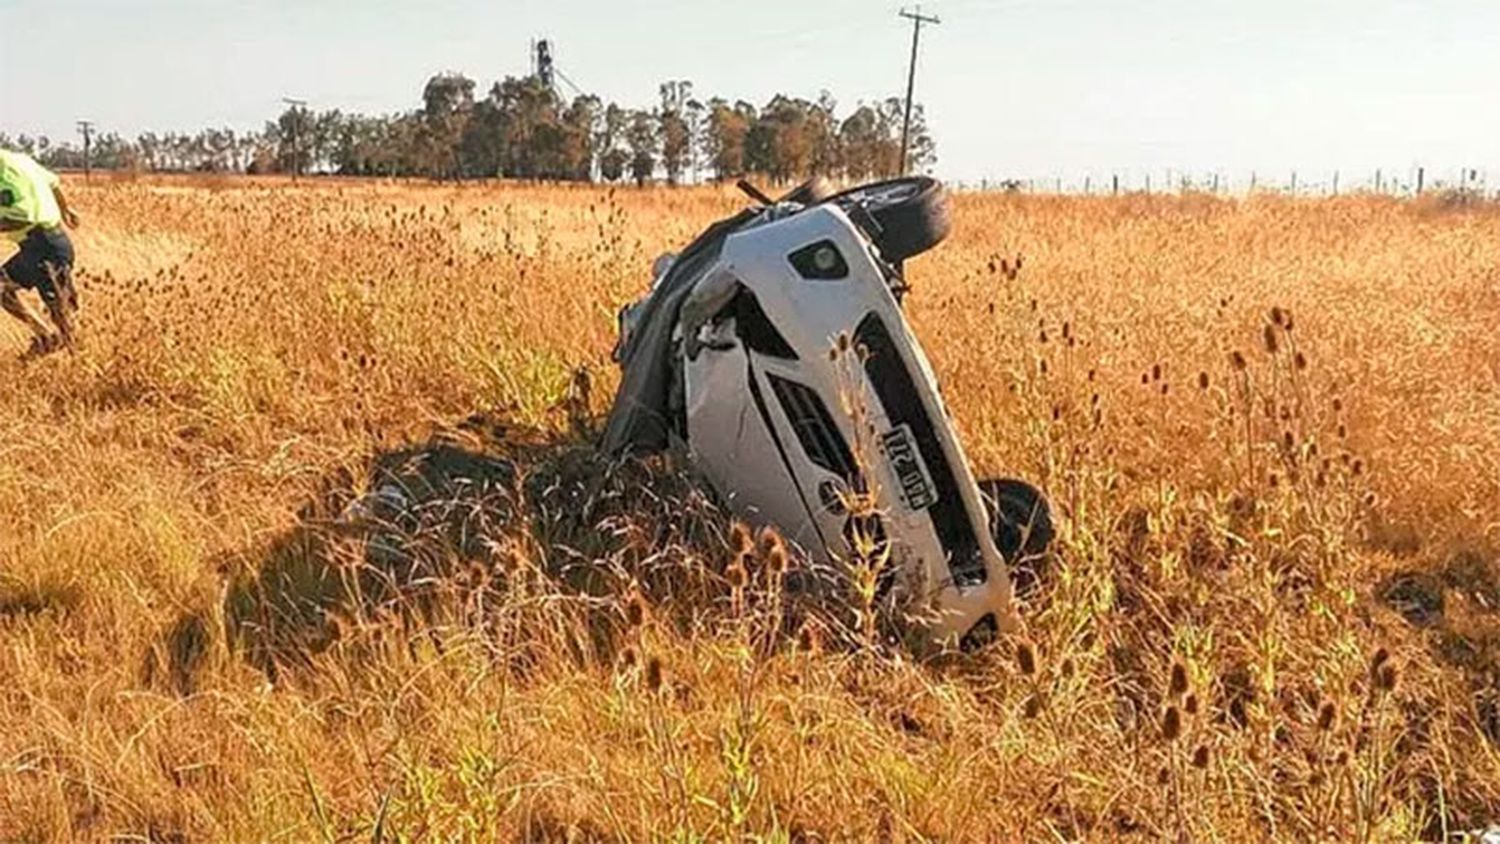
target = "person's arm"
x: 68, y: 214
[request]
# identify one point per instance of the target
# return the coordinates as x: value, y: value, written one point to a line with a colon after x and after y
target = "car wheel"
x: 911, y: 212
x: 1021, y: 524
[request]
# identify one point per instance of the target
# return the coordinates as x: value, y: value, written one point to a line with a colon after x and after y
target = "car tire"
x: 911, y: 213
x: 1021, y: 525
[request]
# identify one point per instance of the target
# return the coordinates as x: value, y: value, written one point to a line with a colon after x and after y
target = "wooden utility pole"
x: 917, y: 19
x: 87, y: 128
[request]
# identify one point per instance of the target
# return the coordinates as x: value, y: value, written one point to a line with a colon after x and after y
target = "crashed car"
x: 773, y: 351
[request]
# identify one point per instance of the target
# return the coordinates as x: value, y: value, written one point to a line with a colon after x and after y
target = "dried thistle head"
x: 1202, y: 756
x: 777, y: 560
x: 736, y: 575
x: 655, y: 674
x: 1190, y: 704
x: 1171, y: 724
x: 1237, y: 360
x: 810, y: 638
x: 1328, y: 716
x: 740, y: 541
x: 771, y: 543
x: 1269, y: 336
x: 1033, y: 706
x: 1386, y: 679
x: 1026, y: 658
x: 1177, y: 682
x: 1203, y: 380
x: 635, y: 608
x: 1277, y: 316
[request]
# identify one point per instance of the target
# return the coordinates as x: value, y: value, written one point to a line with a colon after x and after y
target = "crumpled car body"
x: 774, y: 352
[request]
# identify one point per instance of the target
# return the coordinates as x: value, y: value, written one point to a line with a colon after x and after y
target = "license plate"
x: 900, y: 449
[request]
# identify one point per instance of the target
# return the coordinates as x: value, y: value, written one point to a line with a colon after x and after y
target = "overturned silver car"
x: 773, y: 350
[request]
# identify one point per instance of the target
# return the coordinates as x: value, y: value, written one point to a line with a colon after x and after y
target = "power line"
x: 564, y: 77
x: 917, y: 19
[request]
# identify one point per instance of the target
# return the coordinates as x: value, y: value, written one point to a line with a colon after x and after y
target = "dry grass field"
x: 1271, y: 430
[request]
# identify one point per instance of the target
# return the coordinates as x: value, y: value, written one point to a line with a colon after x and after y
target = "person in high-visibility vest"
x: 32, y: 213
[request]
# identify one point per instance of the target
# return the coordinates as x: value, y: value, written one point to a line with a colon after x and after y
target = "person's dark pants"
x: 45, y: 264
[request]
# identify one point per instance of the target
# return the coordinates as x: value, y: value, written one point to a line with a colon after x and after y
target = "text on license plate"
x: 900, y: 449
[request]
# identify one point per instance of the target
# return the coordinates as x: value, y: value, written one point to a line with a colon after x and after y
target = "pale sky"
x: 1026, y: 88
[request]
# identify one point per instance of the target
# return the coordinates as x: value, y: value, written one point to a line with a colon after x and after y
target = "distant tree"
x: 866, y: 146
x: 529, y: 116
x: 724, y: 137
x: 581, y: 124
x: 821, y: 130
x: 780, y: 143
x: 694, y: 114
x: 923, y: 152
x: 673, y: 131
x: 447, y: 101
x: 288, y: 135
x: 642, y: 138
x: 613, y: 159
x: 523, y: 129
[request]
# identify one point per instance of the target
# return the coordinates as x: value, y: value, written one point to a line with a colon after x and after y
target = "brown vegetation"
x: 1271, y: 429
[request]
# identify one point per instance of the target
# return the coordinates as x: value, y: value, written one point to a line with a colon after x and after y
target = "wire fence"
x: 1397, y: 182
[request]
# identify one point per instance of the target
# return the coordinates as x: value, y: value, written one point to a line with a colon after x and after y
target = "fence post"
x: 1421, y: 178
x: 1115, y: 186
x: 1335, y: 183
x: 1294, y: 183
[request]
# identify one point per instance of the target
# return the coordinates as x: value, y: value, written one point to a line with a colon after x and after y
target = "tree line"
x: 524, y: 128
